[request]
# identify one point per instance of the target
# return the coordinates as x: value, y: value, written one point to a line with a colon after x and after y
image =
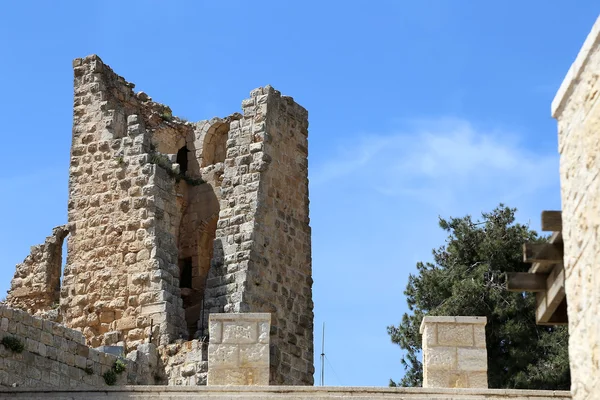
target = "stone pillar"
x: 238, y: 350
x: 454, y: 352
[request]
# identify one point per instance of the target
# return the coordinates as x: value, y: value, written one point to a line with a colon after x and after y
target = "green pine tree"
x: 466, y: 279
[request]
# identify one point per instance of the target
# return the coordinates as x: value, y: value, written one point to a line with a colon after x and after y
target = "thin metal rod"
x: 323, y: 357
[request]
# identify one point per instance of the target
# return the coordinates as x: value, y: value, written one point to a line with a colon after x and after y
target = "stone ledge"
x: 278, y: 392
x: 240, y: 316
x: 572, y: 77
x: 452, y: 320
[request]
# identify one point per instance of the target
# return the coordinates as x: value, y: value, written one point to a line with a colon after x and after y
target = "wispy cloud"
x: 443, y: 162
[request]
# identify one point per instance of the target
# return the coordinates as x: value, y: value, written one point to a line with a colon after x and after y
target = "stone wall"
x: 285, y: 392
x: 121, y: 273
x: 54, y: 356
x: 184, y: 364
x: 238, y: 353
x: 262, y: 253
x: 35, y: 287
x: 454, y: 352
x: 171, y: 220
x: 577, y: 110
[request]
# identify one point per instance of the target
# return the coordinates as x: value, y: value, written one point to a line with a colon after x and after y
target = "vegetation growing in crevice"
x: 167, y: 115
x: 110, y: 376
x: 12, y: 343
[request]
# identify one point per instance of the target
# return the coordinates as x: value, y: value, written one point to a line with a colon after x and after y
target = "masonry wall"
x: 262, y: 253
x: 35, y: 286
x: 54, y: 356
x: 577, y: 110
x: 281, y: 280
x: 169, y: 221
x: 121, y: 268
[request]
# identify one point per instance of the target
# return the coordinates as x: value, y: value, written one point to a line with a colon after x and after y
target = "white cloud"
x: 445, y: 163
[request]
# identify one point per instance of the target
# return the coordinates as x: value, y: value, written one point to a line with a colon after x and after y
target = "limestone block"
x: 241, y: 332
x: 478, y: 380
x: 215, y: 330
x: 455, y: 334
x: 443, y: 358
x: 454, y: 352
x: 223, y: 355
x: 470, y: 359
x: 429, y: 336
x: 251, y: 355
x: 238, y: 356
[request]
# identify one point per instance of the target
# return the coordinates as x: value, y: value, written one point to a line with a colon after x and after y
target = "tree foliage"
x: 465, y: 278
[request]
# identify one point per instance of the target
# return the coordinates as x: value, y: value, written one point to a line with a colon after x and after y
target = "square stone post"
x: 238, y: 349
x: 454, y: 352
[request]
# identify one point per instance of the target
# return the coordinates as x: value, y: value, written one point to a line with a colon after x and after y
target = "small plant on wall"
x: 110, y: 376
x: 13, y: 344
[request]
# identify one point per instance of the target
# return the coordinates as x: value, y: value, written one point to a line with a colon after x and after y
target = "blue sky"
x: 416, y: 109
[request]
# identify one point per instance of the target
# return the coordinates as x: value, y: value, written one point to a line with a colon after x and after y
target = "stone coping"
x: 566, y: 87
x: 276, y: 392
x: 239, y: 316
x: 452, y: 320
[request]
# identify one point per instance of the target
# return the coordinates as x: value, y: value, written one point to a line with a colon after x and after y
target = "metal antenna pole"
x: 323, y: 357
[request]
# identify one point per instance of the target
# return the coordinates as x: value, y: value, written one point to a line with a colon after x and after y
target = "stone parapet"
x: 454, y: 352
x: 285, y: 392
x: 238, y: 350
x: 54, y: 356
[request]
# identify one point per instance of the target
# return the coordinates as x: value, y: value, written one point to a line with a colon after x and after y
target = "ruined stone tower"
x: 171, y: 220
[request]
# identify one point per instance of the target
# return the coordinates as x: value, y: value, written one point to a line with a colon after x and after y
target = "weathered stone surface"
x: 577, y: 110
x: 35, y: 287
x: 452, y: 357
x: 54, y: 357
x: 455, y: 335
x: 171, y: 220
x: 240, y: 359
x: 285, y: 392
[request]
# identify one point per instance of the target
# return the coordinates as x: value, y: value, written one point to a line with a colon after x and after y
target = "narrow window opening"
x: 185, y: 273
x: 182, y: 159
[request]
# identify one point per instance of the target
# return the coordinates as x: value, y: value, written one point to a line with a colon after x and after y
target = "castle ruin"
x: 169, y: 221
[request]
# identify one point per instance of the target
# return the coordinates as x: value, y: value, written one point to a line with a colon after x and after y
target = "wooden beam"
x: 525, y: 282
x: 543, y: 253
x: 545, y: 268
x: 549, y: 301
x: 560, y: 316
x: 552, y: 221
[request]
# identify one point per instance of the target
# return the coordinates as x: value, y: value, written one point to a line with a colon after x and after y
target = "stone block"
x: 255, y: 354
x: 440, y: 358
x: 479, y: 336
x: 429, y: 337
x: 478, y: 380
x: 453, y: 350
x: 239, y: 358
x: 223, y: 355
x: 454, y: 334
x: 472, y: 359
x: 243, y: 376
x: 215, y: 332
x: 240, y: 332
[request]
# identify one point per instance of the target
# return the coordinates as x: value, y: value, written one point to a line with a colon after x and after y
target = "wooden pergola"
x: 546, y: 277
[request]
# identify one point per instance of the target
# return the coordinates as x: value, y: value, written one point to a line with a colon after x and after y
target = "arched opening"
x: 182, y: 159
x: 214, y: 147
x: 196, y: 236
